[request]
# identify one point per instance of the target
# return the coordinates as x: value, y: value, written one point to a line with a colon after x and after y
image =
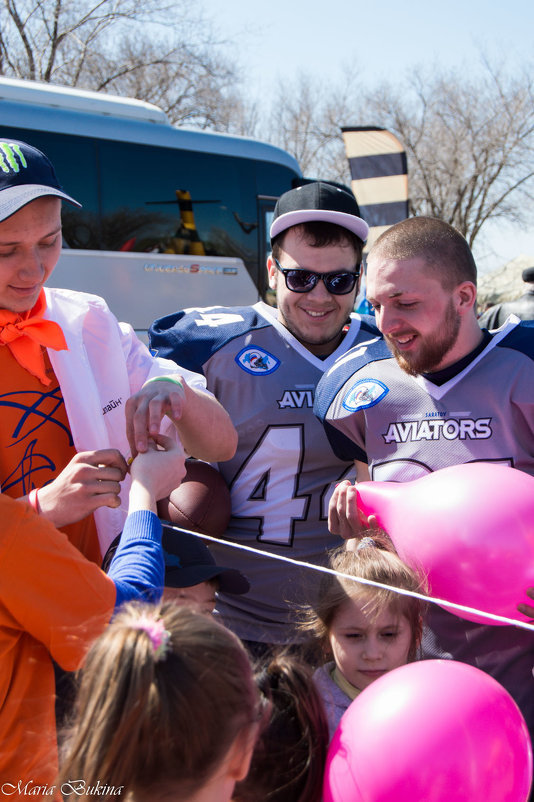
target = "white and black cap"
x: 322, y: 201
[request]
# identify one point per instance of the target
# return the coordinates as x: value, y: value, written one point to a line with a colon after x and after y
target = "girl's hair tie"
x: 366, y: 543
x: 159, y: 636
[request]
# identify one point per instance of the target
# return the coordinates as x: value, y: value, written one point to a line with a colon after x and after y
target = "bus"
x: 172, y: 218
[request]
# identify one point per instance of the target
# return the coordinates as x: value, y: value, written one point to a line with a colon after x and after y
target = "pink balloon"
x: 436, y: 730
x: 469, y: 527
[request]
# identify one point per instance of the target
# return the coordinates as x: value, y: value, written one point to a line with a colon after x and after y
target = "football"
x: 200, y: 503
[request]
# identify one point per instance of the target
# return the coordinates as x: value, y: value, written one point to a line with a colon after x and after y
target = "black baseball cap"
x: 318, y: 200
x: 189, y: 561
x: 25, y: 174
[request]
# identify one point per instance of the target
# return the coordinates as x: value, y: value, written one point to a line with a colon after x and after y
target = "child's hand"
x: 527, y: 609
x: 156, y: 472
x: 344, y: 518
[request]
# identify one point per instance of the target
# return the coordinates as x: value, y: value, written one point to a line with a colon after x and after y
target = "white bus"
x: 171, y: 217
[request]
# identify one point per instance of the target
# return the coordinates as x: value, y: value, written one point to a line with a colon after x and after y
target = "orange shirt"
x: 53, y: 602
x: 36, y: 442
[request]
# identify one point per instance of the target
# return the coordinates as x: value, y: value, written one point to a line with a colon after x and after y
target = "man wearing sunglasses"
x: 262, y: 364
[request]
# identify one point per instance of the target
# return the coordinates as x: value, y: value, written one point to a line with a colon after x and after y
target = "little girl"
x: 289, y: 757
x: 167, y: 709
x: 366, y: 631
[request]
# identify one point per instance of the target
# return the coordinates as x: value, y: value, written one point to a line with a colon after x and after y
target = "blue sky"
x: 279, y: 38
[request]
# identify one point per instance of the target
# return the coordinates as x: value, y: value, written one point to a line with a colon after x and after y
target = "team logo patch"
x: 364, y: 394
x: 257, y: 361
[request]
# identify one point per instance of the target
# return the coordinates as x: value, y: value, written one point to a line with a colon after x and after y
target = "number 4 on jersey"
x: 215, y: 319
x: 266, y: 484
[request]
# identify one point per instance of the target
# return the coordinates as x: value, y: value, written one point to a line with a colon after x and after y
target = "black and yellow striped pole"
x: 186, y: 239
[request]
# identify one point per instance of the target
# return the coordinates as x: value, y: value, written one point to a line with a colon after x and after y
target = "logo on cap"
x: 171, y: 560
x: 7, y: 157
x: 256, y: 360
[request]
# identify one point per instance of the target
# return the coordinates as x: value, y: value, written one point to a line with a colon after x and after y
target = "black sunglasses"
x: 300, y: 280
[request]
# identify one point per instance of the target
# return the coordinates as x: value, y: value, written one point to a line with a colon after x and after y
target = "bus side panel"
x: 142, y: 287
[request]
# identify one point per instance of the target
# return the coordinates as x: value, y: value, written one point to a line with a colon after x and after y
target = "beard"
x: 433, y: 349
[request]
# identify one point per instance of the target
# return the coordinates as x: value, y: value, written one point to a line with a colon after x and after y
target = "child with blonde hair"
x: 167, y: 708
x: 364, y: 630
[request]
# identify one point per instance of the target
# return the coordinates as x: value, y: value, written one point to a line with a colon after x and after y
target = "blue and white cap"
x: 25, y: 174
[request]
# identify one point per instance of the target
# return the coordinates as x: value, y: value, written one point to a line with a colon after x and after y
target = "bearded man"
x: 446, y: 392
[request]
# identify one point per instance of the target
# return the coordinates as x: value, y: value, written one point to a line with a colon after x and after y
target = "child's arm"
x: 137, y: 567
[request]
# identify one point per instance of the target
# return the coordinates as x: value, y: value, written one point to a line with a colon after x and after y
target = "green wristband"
x: 165, y: 379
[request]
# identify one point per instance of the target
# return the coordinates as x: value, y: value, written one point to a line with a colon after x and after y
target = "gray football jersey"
x: 284, y: 471
x: 406, y: 426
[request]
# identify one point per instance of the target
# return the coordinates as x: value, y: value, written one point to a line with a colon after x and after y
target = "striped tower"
x: 379, y: 177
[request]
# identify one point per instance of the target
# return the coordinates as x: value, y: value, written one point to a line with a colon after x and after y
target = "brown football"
x: 200, y: 503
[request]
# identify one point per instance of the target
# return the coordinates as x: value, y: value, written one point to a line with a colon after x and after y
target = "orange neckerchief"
x: 26, y: 334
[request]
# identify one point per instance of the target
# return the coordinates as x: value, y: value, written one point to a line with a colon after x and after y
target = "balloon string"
x: 501, y: 619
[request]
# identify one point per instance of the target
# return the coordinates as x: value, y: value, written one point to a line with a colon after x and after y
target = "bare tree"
x: 162, y: 52
x: 469, y: 143
x: 306, y: 120
x: 239, y: 115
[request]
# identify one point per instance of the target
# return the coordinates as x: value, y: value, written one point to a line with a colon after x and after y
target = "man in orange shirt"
x: 79, y: 392
x: 54, y: 602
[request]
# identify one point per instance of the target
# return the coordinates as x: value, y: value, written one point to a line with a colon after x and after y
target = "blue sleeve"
x: 192, y: 338
x: 178, y: 337
x: 137, y: 567
x: 520, y: 339
x: 343, y: 447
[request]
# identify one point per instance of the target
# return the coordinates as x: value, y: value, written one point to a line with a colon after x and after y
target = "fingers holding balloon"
x: 527, y: 609
x: 341, y: 511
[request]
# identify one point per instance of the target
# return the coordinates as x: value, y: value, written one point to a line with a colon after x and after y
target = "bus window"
x: 265, y: 216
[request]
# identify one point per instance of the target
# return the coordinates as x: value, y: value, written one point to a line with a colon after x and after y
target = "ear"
x: 465, y: 296
x: 359, y: 282
x: 273, y: 273
x: 241, y: 753
x: 326, y: 648
x: 419, y: 632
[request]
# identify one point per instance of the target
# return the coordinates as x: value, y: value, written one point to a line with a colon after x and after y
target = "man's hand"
x: 90, y: 480
x: 344, y: 519
x: 156, y: 472
x: 146, y: 409
x: 527, y: 609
